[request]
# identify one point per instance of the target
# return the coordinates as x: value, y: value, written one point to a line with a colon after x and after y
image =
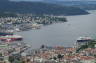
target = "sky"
x: 25, y: 0
x: 54, y: 0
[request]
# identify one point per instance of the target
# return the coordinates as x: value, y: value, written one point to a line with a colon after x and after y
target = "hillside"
x: 39, y: 8
x: 86, y: 5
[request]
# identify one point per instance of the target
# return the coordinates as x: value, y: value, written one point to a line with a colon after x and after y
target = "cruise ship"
x: 11, y: 38
x: 84, y: 39
x: 6, y: 32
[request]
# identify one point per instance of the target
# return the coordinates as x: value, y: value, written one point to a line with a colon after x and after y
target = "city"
x: 47, y: 31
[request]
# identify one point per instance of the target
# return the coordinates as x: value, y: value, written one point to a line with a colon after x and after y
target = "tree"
x: 90, y: 44
x: 11, y: 59
x: 0, y: 54
x: 59, y: 57
x: 17, y: 61
x: 42, y: 46
x: 54, y: 58
x: 95, y: 56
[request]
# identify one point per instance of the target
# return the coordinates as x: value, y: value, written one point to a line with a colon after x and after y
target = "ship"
x: 6, y: 32
x: 83, y: 40
x: 11, y: 38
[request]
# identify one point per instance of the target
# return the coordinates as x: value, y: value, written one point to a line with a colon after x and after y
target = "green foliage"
x: 91, y: 44
x: 87, y: 5
x: 11, y: 59
x: 59, y: 57
x: 95, y: 56
x: 17, y: 61
x: 82, y: 47
x: 0, y: 54
x: 2, y: 14
x: 54, y: 58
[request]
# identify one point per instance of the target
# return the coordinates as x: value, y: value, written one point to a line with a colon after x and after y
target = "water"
x: 64, y: 34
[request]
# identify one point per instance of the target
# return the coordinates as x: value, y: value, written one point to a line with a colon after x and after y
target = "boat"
x: 17, y: 29
x: 36, y: 26
x: 6, y: 32
x: 11, y: 38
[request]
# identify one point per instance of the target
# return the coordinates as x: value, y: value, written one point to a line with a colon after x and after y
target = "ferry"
x: 6, y: 32
x: 11, y: 38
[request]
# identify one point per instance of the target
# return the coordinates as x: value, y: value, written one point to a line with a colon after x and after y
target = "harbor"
x: 47, y: 31
x: 18, y: 51
x: 63, y: 34
x: 74, y: 44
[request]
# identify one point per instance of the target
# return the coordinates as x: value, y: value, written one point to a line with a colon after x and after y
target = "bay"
x: 62, y: 34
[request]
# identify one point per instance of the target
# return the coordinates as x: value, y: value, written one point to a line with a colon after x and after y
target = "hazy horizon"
x: 52, y: 0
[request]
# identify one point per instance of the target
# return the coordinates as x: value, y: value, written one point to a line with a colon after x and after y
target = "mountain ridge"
x: 39, y: 8
x: 86, y: 5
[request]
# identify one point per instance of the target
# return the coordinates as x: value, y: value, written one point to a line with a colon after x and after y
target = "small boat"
x: 36, y: 26
x: 11, y: 38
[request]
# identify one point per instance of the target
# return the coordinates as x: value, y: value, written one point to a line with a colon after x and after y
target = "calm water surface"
x: 64, y: 34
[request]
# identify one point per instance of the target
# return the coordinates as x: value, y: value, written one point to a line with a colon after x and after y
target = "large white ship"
x: 11, y: 38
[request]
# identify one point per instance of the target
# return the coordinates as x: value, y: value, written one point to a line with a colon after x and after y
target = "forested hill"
x: 39, y: 8
x: 86, y: 4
